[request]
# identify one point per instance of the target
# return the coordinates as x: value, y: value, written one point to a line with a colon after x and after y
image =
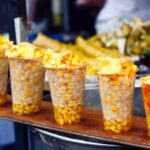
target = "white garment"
x: 124, y: 9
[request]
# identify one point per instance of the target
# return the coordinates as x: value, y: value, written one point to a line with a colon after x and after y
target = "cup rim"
x: 110, y: 74
x: 66, y: 67
x: 142, y: 80
x: 31, y: 60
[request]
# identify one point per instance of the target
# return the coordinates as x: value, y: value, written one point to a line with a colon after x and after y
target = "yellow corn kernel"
x: 113, y: 127
x: 63, y: 88
x: 112, y: 95
x: 114, y: 109
x: 117, y: 83
x: 116, y: 88
x: 60, y: 81
x: 73, y: 118
x: 67, y: 99
x: 25, y: 108
x: 70, y: 86
x: 76, y: 107
x: 69, y: 121
x: 67, y: 76
x: 116, y: 126
x: 69, y: 92
x: 21, y: 72
x: 78, y: 78
x: 76, y: 97
x: 60, y: 73
x: 65, y: 111
x: 65, y: 118
x: 61, y: 122
x: 68, y: 114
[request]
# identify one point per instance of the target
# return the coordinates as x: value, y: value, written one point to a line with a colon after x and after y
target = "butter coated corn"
x: 27, y: 78
x: 68, y: 115
x: 27, y: 109
x: 146, y: 98
x: 116, y: 97
x: 3, y: 80
x: 67, y: 91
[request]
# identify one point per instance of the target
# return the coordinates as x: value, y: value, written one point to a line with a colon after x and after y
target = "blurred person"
x: 39, y: 15
x: 115, y: 11
x: 86, y: 12
x: 4, y: 17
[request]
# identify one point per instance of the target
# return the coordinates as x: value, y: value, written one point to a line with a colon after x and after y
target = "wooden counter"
x: 91, y: 125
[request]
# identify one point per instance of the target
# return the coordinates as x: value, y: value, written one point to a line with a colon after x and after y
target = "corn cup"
x: 27, y: 78
x: 146, y: 99
x: 3, y: 80
x: 117, y: 97
x: 5, y: 44
x: 67, y: 91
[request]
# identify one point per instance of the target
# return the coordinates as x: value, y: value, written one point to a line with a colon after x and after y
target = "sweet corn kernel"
x: 60, y: 73
x: 27, y: 109
x: 116, y: 103
x: 63, y: 88
x: 67, y: 115
x: 114, y: 109
x: 67, y: 76
x: 117, y: 127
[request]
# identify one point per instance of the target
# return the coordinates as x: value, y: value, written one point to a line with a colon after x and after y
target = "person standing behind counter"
x: 116, y: 10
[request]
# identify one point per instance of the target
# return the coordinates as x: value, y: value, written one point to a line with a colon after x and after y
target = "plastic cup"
x: 146, y: 101
x: 3, y: 80
x: 116, y: 93
x: 67, y: 92
x: 27, y: 80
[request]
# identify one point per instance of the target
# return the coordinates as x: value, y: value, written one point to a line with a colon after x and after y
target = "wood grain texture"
x: 91, y: 125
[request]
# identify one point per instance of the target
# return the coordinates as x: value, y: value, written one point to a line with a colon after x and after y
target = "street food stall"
x: 64, y: 89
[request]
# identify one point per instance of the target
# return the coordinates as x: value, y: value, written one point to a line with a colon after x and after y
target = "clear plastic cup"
x: 146, y: 101
x: 67, y: 92
x: 3, y: 80
x: 27, y: 81
x: 116, y: 93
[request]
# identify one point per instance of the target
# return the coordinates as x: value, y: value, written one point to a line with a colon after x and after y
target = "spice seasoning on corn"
x: 66, y: 59
x: 66, y: 74
x: 24, y: 51
x: 4, y: 45
x: 27, y: 77
x: 116, y: 66
x: 116, y: 80
x: 146, y: 99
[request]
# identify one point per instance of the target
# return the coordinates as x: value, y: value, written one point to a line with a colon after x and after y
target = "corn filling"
x: 27, y: 80
x: 67, y: 91
x: 3, y: 79
x: 68, y: 115
x: 67, y: 59
x: 116, y: 98
x: 26, y: 108
x: 24, y: 50
x: 118, y: 126
x: 146, y: 99
x: 4, y: 45
x: 116, y: 66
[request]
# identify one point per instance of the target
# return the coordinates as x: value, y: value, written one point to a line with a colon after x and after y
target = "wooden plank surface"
x: 91, y: 125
